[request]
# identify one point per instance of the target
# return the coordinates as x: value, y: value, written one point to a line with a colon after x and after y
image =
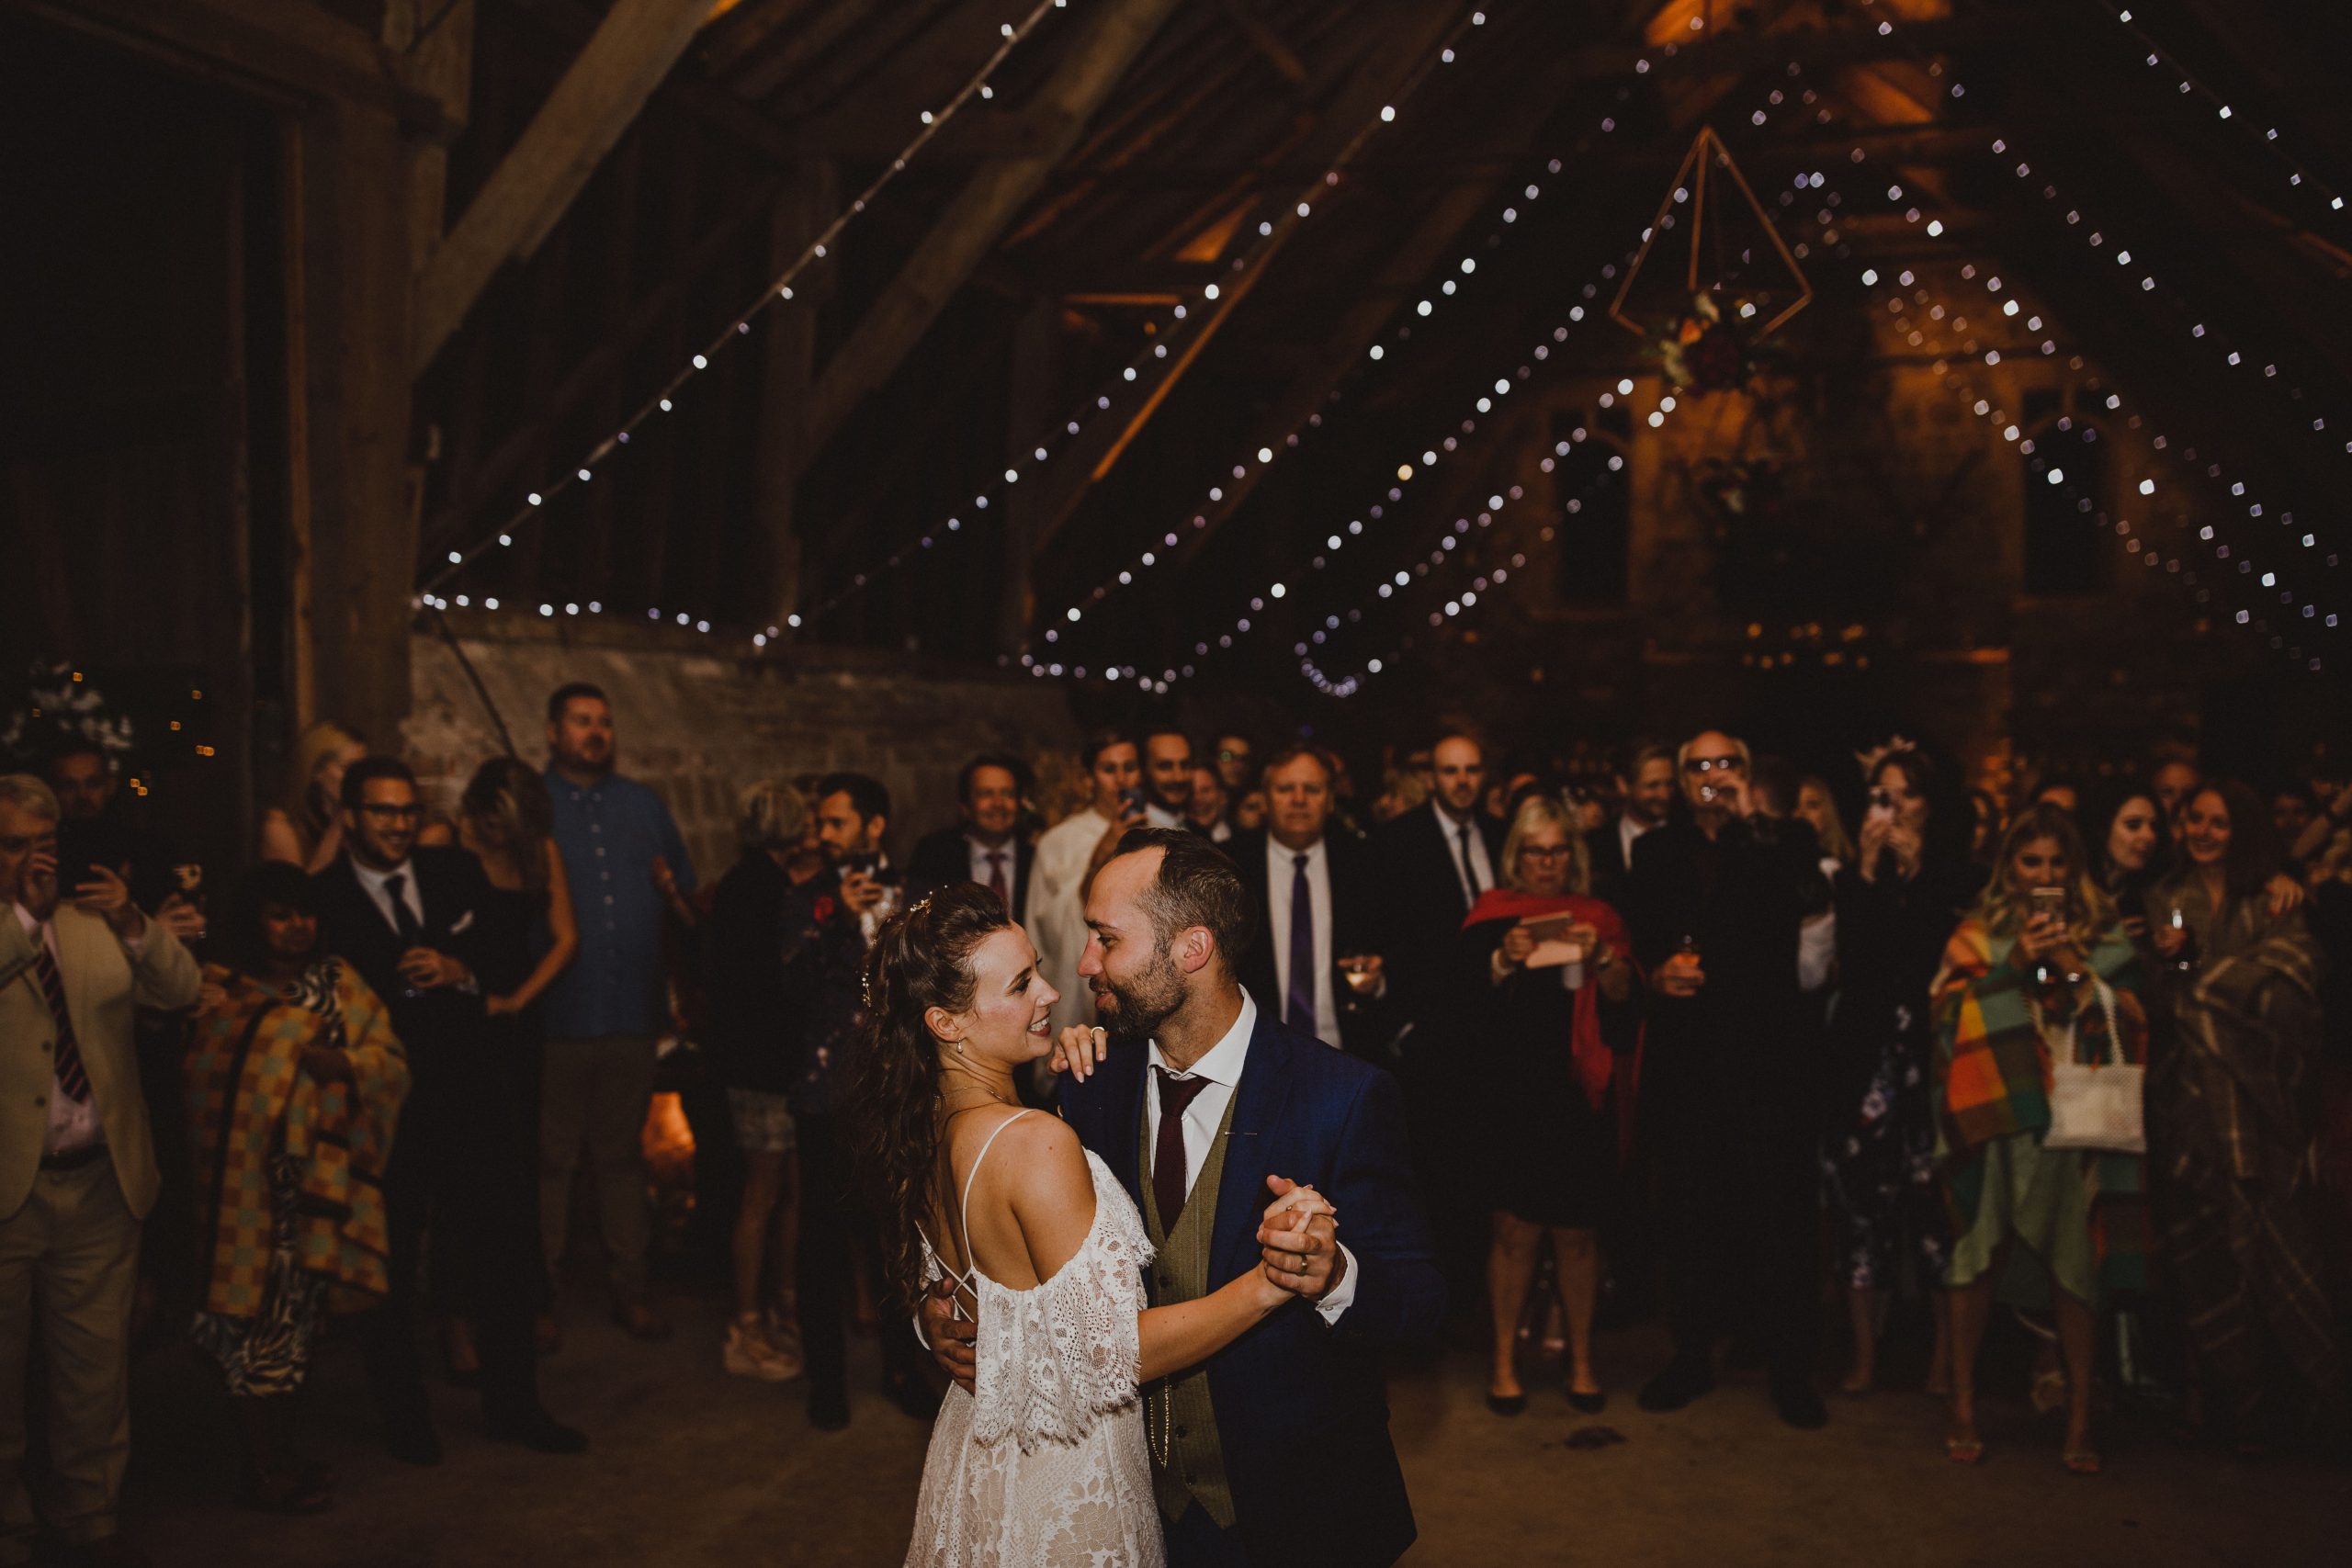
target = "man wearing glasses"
x: 407, y: 919
x: 1718, y: 898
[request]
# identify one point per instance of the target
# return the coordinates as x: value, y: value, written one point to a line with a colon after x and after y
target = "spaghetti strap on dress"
x: 1044, y: 1463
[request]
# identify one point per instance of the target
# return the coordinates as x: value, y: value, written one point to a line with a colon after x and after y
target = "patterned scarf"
x: 248, y: 1098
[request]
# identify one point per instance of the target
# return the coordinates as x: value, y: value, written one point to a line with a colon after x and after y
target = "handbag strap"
x: 2061, y: 1049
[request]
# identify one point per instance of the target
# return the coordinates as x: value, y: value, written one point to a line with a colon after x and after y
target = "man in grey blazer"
x: 77, y: 1168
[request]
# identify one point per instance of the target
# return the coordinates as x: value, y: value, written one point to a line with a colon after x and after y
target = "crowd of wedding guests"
x: 1703, y: 1037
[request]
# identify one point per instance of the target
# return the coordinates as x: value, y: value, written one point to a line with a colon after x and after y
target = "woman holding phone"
x: 1557, y: 999
x: 1898, y: 899
x: 2041, y: 972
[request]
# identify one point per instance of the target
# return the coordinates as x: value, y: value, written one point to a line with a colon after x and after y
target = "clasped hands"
x: 1298, y: 1250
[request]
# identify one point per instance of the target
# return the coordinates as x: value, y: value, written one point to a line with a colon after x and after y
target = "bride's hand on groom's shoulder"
x: 952, y: 1339
x: 1079, y: 1050
x: 1298, y: 1240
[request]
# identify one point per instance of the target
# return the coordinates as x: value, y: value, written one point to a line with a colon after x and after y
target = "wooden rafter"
x: 622, y: 62
x: 972, y: 222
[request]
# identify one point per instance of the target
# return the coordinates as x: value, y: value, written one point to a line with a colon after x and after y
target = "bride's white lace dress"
x: 1043, y: 1464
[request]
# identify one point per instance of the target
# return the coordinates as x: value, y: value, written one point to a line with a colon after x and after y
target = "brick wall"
x: 699, y: 718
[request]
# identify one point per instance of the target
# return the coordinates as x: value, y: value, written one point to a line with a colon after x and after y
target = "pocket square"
x: 461, y: 922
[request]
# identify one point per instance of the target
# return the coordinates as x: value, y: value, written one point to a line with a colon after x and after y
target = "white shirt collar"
x: 1222, y: 1064
x: 374, y: 880
x: 1278, y: 853
x: 1448, y: 826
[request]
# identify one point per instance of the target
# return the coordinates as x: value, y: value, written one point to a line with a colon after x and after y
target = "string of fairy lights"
x: 1162, y: 351
x: 1419, y: 463
x: 2270, y: 579
x: 1268, y: 447
x: 779, y: 290
x: 2300, y: 176
x: 1273, y: 234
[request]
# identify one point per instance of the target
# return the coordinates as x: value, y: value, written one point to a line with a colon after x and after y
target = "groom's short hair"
x: 1197, y: 886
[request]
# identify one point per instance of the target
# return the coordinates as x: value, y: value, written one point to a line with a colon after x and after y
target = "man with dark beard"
x: 1205, y: 1106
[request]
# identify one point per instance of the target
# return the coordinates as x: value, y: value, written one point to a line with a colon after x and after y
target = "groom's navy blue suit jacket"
x: 1301, y: 1408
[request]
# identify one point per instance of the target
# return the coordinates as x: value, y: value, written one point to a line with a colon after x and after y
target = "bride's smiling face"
x: 1007, y: 1022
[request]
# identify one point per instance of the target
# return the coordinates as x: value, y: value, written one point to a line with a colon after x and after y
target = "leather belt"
x: 74, y: 1159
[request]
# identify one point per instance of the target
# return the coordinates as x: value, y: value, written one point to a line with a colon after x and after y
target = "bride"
x: 1043, y: 1463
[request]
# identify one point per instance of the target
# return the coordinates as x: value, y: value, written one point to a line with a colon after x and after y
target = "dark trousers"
x: 1195, y: 1541
x: 463, y: 1167
x: 829, y: 1215
x: 1739, y: 1191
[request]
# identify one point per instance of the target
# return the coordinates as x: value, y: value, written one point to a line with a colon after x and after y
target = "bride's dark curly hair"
x: 920, y: 959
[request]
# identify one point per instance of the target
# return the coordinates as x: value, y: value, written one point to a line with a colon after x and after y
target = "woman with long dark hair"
x: 2130, y: 839
x: 2039, y: 972
x: 1044, y: 1461
x: 2234, y: 1106
x: 1899, y: 896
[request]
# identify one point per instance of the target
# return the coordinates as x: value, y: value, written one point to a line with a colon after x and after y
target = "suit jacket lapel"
x: 1259, y: 1101
x: 1122, y: 1105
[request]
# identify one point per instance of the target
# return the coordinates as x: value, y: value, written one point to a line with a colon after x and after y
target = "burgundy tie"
x: 1168, y: 1184
x: 996, y: 879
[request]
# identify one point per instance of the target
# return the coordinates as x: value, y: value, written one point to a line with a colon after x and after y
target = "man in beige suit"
x: 77, y: 1168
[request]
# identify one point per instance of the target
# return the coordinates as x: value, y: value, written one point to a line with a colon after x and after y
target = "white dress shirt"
x: 1157, y: 816
x: 1452, y: 831
x: 1817, y: 939
x: 373, y: 881
x: 73, y: 1124
x: 1055, y: 919
x: 1629, y: 828
x: 1222, y: 1066
x: 1008, y: 860
x: 1281, y: 871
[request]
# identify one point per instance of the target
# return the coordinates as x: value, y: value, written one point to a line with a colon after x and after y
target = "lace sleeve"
x: 1053, y: 1359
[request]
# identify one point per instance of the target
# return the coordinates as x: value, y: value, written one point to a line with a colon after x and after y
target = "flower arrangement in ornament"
x: 1705, y: 352
x: 56, y: 702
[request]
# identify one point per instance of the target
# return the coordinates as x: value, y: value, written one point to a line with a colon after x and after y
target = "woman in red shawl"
x: 1557, y: 1015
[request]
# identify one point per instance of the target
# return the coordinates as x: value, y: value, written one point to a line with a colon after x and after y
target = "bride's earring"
x: 959, y: 1047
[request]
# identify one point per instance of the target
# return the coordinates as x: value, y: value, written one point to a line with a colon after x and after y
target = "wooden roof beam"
x: 969, y: 230
x: 632, y: 48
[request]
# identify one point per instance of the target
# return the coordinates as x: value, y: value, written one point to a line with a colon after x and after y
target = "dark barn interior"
x: 870, y: 383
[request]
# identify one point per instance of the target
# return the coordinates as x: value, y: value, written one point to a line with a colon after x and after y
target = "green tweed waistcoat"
x: 1180, y: 1424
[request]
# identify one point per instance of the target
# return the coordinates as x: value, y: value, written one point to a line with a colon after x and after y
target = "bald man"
x: 1718, y: 896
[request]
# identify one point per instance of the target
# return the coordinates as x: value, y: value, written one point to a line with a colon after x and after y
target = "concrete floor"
x: 692, y: 1467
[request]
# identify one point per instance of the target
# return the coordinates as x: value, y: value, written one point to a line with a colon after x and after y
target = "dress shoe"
x: 1507, y: 1403
x: 829, y: 1409
x: 1801, y: 1408
x: 642, y: 1322
x: 414, y: 1442
x: 1677, y: 1386
x: 537, y: 1431
x: 1588, y: 1404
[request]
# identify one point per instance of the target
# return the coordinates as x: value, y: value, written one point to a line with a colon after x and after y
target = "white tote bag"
x: 2094, y: 1105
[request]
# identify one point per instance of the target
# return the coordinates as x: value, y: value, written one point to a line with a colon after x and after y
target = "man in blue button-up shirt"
x: 628, y: 871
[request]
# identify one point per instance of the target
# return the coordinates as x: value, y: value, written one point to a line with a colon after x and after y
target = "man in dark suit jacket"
x: 984, y: 846
x: 411, y: 921
x: 1729, y: 1086
x: 1315, y: 895
x: 1296, y: 1407
x: 1433, y: 863
x: 1648, y: 783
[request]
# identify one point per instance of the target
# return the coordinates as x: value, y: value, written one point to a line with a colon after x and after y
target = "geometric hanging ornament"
x: 1734, y: 273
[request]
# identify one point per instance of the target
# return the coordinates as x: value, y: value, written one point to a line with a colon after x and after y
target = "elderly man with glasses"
x: 1718, y: 896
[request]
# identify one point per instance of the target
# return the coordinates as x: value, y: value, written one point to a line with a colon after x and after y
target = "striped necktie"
x: 71, y: 1078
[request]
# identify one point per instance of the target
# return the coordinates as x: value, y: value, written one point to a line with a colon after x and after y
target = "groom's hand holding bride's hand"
x: 953, y: 1341
x: 1299, y: 1240
x: 1080, y: 1050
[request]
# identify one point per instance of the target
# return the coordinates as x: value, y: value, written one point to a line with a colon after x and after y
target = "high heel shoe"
x: 1507, y: 1403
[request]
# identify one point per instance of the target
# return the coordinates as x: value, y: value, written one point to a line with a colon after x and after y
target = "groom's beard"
x: 1137, y: 1008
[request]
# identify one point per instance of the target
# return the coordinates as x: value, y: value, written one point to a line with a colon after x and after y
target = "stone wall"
x: 701, y: 717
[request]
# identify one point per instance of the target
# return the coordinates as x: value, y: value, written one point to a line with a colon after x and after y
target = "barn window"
x: 1591, y: 517
x: 2066, y: 507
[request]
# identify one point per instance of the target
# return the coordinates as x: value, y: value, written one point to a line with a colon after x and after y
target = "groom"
x: 1276, y: 1448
